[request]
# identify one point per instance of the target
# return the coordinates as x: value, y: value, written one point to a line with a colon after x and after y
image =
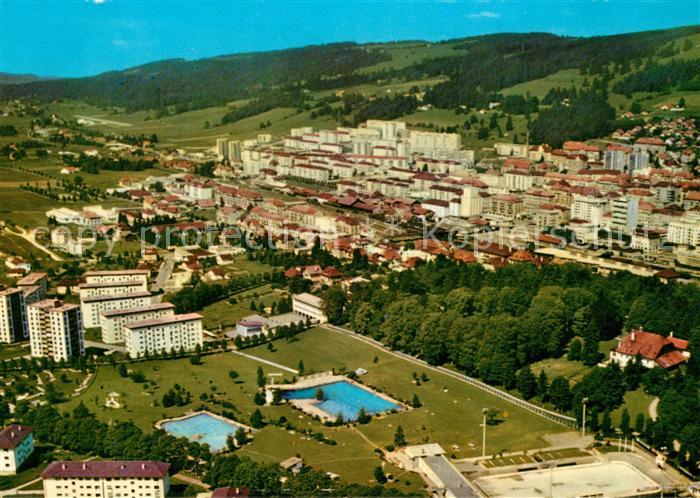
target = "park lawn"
x: 451, y: 410
x: 12, y: 177
x: 636, y: 402
x: 555, y: 367
x: 223, y: 314
x: 8, y: 351
x: 352, y: 457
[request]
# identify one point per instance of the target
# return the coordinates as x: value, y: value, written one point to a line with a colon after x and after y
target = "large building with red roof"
x: 103, y: 479
x: 653, y: 350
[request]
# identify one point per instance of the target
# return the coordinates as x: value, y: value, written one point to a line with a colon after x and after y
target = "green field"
x: 451, y: 410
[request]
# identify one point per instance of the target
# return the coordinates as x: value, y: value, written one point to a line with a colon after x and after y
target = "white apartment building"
x: 424, y: 141
x: 518, y: 181
x: 92, y: 307
x: 16, y: 444
x: 167, y: 333
x: 55, y: 330
x: 113, y: 322
x: 106, y: 479
x: 115, y: 276
x: 625, y: 214
x: 685, y: 231
x: 106, y: 288
x: 588, y: 208
x: 13, y: 316
x: 471, y: 202
x: 309, y: 306
x: 615, y: 159
x: 310, y: 172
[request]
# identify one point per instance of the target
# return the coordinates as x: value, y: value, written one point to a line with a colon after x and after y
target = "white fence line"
x: 557, y: 417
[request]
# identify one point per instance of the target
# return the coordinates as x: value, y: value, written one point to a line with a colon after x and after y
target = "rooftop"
x: 12, y: 435
x: 105, y: 469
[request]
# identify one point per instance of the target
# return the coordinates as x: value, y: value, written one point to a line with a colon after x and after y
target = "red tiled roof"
x: 103, y: 469
x: 12, y: 435
x: 647, y: 344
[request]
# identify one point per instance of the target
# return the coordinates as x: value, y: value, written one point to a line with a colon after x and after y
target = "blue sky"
x: 85, y: 37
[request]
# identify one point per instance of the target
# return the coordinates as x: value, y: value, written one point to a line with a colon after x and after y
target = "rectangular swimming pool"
x: 202, y: 428
x: 344, y: 398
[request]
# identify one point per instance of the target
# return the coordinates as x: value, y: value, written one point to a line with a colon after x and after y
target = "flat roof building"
x: 165, y: 334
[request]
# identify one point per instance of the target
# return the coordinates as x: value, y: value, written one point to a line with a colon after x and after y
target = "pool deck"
x: 159, y: 425
x: 310, y: 407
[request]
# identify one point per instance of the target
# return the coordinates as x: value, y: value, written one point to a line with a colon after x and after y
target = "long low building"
x: 93, y: 306
x: 107, y: 288
x: 113, y: 322
x: 309, y: 306
x: 106, y: 479
x: 115, y: 276
x: 169, y: 333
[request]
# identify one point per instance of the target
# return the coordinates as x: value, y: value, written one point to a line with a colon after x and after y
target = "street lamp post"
x: 483, y: 434
x: 583, y: 419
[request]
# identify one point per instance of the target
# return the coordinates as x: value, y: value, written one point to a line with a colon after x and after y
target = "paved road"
x: 537, y: 410
x: 166, y: 269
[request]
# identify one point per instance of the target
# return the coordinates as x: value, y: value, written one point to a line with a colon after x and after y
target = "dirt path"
x: 29, y: 237
x: 654, y: 408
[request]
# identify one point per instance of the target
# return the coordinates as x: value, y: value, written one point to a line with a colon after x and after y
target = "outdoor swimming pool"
x: 202, y: 428
x: 344, y: 398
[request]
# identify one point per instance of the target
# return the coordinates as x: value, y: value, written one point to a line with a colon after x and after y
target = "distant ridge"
x: 485, y: 64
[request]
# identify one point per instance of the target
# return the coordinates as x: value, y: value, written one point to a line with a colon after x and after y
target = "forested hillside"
x: 477, y: 69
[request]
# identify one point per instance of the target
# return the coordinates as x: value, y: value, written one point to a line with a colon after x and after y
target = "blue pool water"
x: 202, y: 428
x: 344, y: 398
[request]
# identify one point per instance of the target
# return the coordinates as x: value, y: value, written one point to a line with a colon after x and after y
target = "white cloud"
x: 484, y: 14
x: 98, y: 2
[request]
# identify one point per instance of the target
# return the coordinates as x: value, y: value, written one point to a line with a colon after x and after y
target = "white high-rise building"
x: 637, y: 161
x: 106, y: 288
x: 167, y: 333
x: 106, y: 479
x: 625, y: 214
x: 615, y: 159
x: 55, y: 330
x: 113, y: 322
x: 471, y: 203
x: 234, y: 150
x: 13, y: 316
x: 588, y: 208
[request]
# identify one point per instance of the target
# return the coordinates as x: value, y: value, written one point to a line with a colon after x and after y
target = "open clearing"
x: 450, y: 414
